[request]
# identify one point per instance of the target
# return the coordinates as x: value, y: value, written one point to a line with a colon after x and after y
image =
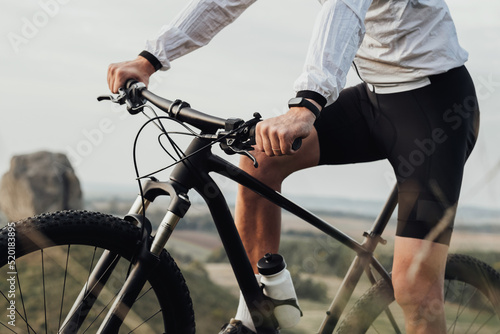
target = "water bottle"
x: 278, y: 286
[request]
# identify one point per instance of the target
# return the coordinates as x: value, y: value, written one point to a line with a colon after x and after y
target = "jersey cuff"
x: 152, y: 59
x: 312, y: 95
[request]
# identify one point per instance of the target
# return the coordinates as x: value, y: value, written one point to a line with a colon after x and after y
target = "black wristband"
x: 302, y: 102
x: 312, y: 95
x: 152, y: 59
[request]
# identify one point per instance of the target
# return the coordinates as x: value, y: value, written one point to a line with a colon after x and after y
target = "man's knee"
x: 417, y: 291
x: 418, y: 270
x: 422, y: 306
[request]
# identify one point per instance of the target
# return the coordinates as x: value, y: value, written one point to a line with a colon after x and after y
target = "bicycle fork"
x: 146, y: 260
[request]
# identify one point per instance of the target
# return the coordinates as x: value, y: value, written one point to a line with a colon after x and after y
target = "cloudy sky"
x: 54, y: 58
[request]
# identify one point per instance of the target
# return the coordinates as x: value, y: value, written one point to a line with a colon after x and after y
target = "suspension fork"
x: 149, y: 254
x: 146, y: 258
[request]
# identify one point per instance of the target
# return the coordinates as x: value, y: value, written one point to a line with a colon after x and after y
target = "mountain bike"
x: 89, y: 272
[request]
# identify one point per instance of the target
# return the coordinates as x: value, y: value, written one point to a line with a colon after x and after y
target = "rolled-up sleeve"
x: 194, y: 27
x: 337, y: 35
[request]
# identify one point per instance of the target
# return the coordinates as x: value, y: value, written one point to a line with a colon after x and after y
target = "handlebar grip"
x: 297, y: 143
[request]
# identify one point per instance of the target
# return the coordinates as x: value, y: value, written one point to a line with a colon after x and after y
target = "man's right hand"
x: 139, y: 69
x: 275, y: 136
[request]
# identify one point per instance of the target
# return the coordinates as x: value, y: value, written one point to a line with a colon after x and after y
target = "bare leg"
x: 418, y: 280
x: 258, y: 220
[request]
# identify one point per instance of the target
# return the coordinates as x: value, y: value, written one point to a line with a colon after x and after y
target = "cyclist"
x: 416, y: 107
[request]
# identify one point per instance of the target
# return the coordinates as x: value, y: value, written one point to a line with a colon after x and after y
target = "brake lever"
x: 243, y: 138
x: 247, y: 154
x: 128, y: 97
x: 228, y: 147
x: 121, y: 98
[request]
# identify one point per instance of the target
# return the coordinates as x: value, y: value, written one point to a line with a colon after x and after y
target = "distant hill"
x: 337, y: 206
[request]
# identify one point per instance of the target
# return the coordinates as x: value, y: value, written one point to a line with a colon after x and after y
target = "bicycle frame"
x: 193, y: 173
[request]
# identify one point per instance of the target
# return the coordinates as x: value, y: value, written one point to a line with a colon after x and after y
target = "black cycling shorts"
x: 426, y: 134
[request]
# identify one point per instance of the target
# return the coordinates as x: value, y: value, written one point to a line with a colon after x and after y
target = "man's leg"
x: 418, y: 280
x: 258, y: 220
x: 429, y: 172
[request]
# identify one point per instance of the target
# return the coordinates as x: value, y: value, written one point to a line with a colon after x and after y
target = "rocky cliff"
x: 39, y: 182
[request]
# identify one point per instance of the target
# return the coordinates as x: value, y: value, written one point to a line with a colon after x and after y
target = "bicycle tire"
x: 52, y: 236
x: 465, y: 276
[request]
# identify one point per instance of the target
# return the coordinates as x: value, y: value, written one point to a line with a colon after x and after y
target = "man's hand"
x: 276, y: 135
x: 139, y: 69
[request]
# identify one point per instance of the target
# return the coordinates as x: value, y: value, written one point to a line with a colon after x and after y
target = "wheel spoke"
x: 44, y: 293
x: 8, y: 327
x: 17, y: 312
x: 461, y: 307
x: 484, y: 323
x: 64, y: 287
x: 87, y: 281
x: 145, y: 293
x: 25, y: 318
x: 392, y: 321
x: 145, y: 321
x: 104, y: 308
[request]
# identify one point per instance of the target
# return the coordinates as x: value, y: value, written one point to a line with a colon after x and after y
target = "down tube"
x: 223, y: 219
x: 232, y: 172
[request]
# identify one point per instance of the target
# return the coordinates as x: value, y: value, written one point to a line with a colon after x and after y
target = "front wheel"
x: 472, y: 302
x: 46, y: 260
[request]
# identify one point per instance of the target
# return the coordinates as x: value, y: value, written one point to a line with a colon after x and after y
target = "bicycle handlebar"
x: 184, y: 113
x: 135, y: 94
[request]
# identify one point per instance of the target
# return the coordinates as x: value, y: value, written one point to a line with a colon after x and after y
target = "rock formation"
x: 39, y: 182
